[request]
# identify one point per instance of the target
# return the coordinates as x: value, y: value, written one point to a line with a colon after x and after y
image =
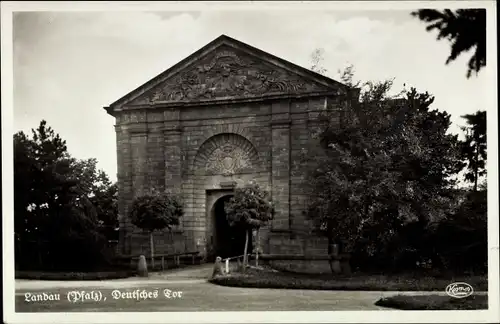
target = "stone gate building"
x: 227, y: 114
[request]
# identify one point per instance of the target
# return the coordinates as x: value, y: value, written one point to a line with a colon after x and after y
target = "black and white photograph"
x: 250, y: 162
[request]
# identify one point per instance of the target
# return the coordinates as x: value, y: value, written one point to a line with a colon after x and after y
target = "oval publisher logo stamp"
x: 459, y: 290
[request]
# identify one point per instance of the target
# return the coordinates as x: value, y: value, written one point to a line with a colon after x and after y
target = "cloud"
x: 69, y: 65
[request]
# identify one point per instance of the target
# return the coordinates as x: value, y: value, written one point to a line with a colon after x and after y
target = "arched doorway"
x: 229, y: 240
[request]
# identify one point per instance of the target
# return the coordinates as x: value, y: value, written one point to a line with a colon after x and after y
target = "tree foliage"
x: 42, y: 178
x: 251, y: 208
x: 464, y: 28
x: 53, y: 206
x: 387, y: 165
x: 317, y: 60
x: 156, y: 211
x: 95, y: 188
x: 474, y: 146
x: 461, y: 239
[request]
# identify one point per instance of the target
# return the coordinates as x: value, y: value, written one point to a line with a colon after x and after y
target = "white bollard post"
x: 227, y: 265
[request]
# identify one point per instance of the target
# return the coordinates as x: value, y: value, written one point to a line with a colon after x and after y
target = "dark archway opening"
x: 229, y: 240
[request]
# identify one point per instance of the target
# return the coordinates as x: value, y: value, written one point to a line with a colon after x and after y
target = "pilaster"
x: 280, y: 164
x: 172, y: 149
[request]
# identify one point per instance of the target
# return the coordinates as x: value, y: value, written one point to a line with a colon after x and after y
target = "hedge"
x: 434, y: 302
x: 279, y: 280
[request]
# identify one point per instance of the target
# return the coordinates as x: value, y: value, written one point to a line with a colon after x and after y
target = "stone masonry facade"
x: 227, y: 114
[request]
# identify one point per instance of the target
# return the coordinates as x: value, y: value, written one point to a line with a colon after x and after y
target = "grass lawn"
x: 104, y: 274
x: 98, y: 275
x: 267, y: 279
x: 434, y: 302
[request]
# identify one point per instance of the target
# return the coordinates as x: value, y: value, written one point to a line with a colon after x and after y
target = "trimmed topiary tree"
x: 250, y: 207
x: 156, y: 211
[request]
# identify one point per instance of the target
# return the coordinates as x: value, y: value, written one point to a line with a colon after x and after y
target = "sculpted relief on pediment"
x: 227, y: 74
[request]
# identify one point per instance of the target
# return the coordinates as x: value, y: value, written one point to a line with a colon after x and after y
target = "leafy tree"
x: 156, y: 211
x: 316, y: 60
x: 251, y: 208
x: 42, y: 185
x: 388, y: 165
x: 106, y: 202
x: 52, y: 210
x: 474, y: 146
x: 461, y: 239
x: 96, y: 189
x: 41, y: 169
x: 464, y: 28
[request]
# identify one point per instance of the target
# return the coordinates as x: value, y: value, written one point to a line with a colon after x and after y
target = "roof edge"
x: 245, y: 46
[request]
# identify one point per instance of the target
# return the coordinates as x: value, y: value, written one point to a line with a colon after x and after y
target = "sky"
x: 69, y: 65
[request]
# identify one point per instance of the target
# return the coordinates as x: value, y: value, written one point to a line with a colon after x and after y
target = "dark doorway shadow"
x: 229, y: 240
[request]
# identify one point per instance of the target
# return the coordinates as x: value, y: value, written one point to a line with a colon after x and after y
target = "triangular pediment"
x: 227, y: 69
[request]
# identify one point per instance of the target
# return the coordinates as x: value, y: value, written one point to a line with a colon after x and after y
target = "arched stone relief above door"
x: 226, y: 154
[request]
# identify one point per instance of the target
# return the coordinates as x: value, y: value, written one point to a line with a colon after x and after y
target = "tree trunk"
x: 245, y: 255
x: 152, y: 250
x: 476, y: 166
x: 257, y: 248
x: 330, y: 250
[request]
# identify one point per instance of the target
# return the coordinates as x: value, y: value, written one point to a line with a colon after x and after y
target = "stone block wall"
x: 161, y: 146
x: 245, y: 123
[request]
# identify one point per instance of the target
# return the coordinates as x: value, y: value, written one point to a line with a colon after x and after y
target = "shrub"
x: 434, y: 302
